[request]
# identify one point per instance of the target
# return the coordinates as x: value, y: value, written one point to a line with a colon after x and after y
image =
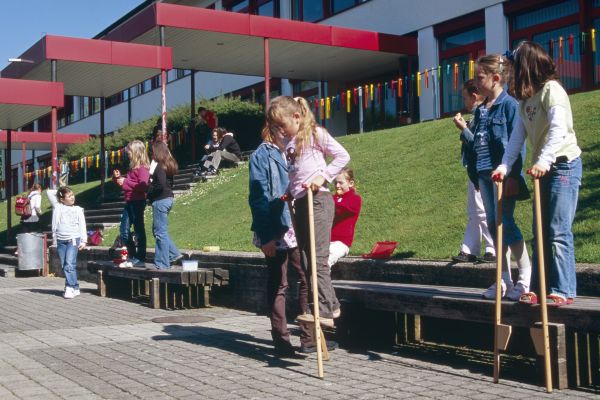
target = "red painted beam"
x: 44, y: 137
x: 31, y: 93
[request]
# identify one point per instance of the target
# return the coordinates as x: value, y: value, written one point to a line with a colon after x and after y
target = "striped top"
x: 481, y: 145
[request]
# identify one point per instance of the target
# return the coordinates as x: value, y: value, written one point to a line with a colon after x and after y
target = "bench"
x: 172, y: 288
x: 573, y: 329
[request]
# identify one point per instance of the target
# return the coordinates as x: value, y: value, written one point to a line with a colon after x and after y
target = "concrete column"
x: 429, y: 101
x: 496, y: 30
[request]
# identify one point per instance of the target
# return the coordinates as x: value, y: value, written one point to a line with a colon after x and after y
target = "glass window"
x: 569, y: 66
x: 596, y: 4
x: 463, y: 38
x: 308, y: 11
x: 240, y: 6
x: 341, y: 5
x: 545, y: 14
x: 452, y: 98
x: 266, y: 9
x: 147, y: 86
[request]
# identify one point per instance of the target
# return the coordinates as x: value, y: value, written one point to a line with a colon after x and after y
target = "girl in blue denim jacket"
x: 547, y: 121
x: 274, y: 236
x: 492, y: 126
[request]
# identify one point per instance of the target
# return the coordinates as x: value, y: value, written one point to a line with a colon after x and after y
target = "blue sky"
x: 24, y: 22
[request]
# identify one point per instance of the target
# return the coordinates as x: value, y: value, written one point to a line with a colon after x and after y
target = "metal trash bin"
x: 32, y: 251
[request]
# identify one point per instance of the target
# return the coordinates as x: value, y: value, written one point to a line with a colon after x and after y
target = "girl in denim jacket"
x: 547, y: 121
x: 492, y: 126
x: 275, y: 237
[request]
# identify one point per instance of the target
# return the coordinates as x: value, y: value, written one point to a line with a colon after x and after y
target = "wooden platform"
x: 172, y: 288
x: 573, y: 329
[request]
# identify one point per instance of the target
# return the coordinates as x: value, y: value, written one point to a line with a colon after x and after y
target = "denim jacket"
x: 268, y: 182
x: 502, y: 117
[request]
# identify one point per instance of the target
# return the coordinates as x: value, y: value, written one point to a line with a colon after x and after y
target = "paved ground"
x: 99, y: 348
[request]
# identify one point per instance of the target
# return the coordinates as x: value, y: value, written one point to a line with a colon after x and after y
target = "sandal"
x: 528, y: 298
x: 556, y: 300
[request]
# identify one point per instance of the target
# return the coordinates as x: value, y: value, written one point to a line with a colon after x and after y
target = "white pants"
x: 337, y: 250
x: 476, y: 225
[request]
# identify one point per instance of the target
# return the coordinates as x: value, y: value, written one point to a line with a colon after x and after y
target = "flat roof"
x: 90, y: 67
x: 22, y: 101
x: 227, y: 42
x: 41, y: 140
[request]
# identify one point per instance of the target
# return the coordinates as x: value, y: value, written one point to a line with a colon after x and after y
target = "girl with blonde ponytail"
x: 307, y: 149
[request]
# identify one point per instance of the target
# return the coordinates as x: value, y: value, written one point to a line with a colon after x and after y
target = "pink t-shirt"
x: 312, y: 162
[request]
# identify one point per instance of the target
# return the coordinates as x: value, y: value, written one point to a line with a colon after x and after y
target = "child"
x: 68, y: 234
x: 347, y: 208
x: 274, y: 235
x: 306, y: 151
x: 476, y: 224
x: 492, y: 127
x: 160, y: 195
x: 134, y: 187
x: 547, y: 121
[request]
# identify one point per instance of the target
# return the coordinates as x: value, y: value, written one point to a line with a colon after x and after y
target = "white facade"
x: 388, y: 16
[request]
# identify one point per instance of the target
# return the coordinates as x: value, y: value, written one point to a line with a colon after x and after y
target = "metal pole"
x: 24, y: 164
x: 8, y: 183
x: 267, y: 74
x: 360, y: 110
x: 192, y: 131
x: 54, y: 162
x: 163, y: 92
x: 102, y: 149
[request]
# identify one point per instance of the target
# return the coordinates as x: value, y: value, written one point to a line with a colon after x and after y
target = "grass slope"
x: 414, y: 192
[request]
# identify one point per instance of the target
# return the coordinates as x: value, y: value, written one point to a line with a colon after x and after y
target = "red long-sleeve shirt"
x: 347, y: 209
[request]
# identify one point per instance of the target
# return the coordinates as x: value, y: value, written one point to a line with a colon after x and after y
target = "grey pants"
x: 323, y: 208
x: 214, y: 159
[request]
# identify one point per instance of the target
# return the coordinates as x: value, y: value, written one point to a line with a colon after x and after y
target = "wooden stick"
x: 542, y: 274
x: 499, y: 259
x: 313, y: 269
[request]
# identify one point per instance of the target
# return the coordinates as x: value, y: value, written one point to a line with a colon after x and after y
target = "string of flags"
x: 449, y: 74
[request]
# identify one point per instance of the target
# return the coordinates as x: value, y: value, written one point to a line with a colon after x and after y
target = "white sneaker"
x: 76, y: 292
x: 69, y: 293
x: 517, y: 291
x: 490, y: 292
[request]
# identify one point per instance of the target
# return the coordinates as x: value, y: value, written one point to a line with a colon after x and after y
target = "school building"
x: 450, y: 35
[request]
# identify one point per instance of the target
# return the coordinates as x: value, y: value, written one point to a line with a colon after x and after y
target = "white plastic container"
x: 190, y: 265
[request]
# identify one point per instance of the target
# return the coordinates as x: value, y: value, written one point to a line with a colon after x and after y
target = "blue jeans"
x: 487, y: 189
x: 133, y: 214
x: 559, y: 190
x: 67, y: 252
x: 165, y: 249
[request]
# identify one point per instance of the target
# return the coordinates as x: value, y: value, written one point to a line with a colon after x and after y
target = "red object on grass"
x: 381, y: 250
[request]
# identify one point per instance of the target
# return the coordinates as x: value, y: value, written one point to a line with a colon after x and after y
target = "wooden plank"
x: 558, y: 355
x: 101, y: 284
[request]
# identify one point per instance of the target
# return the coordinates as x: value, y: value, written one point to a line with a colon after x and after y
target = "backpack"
x: 23, y: 207
x: 95, y: 237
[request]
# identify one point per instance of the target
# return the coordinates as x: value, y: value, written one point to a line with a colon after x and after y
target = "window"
x: 597, y: 53
x: 316, y: 10
x: 569, y: 63
x: 463, y: 38
x: 267, y: 8
x: 546, y: 14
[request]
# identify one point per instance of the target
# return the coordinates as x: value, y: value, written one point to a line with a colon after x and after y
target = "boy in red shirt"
x: 347, y: 208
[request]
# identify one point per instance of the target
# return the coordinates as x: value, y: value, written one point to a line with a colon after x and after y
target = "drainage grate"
x: 182, y: 319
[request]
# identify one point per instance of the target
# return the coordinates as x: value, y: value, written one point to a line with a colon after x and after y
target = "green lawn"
x: 414, y: 192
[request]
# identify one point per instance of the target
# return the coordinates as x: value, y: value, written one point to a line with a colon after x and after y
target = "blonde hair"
x: 137, y: 154
x: 494, y: 64
x: 281, y: 109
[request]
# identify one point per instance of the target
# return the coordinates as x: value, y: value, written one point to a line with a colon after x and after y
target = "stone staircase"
x: 8, y: 261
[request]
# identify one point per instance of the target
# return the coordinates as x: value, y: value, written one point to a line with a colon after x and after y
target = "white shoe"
x: 76, y: 292
x: 70, y: 293
x: 517, y: 291
x: 490, y: 292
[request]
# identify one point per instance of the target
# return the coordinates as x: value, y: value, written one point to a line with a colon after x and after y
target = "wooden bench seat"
x: 168, y: 288
x: 573, y: 329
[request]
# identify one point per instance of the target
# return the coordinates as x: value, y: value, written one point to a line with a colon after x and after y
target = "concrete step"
x: 103, y: 211
x: 9, y: 259
x: 110, y: 218
x: 111, y: 205
x: 7, y: 271
x: 102, y: 225
x: 182, y: 186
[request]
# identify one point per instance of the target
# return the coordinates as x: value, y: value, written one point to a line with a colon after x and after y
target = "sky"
x: 24, y: 22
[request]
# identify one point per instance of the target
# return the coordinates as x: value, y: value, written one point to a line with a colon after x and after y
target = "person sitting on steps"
x: 228, y: 150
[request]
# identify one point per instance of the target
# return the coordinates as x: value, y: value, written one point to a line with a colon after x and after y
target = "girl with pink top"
x: 307, y: 148
x: 134, y: 187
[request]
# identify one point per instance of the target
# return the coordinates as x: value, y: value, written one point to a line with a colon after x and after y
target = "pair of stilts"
x: 502, y: 332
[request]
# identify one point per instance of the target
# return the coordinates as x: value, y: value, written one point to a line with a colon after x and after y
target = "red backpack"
x: 23, y: 207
